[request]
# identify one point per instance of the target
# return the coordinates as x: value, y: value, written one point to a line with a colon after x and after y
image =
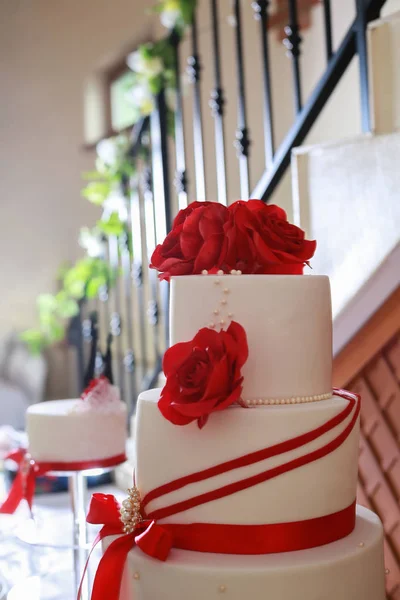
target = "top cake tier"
x: 288, y: 323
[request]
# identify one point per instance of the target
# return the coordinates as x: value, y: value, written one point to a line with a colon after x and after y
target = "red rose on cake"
x: 203, y: 375
x: 194, y: 244
x: 251, y: 237
x: 259, y: 239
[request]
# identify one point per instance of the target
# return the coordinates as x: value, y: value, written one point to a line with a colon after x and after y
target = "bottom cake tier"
x: 349, y: 569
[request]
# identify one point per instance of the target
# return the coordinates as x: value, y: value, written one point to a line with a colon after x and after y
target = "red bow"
x: 23, y: 487
x: 150, y: 537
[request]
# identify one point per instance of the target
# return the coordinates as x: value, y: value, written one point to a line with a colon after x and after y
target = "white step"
x: 384, y: 60
x: 346, y: 195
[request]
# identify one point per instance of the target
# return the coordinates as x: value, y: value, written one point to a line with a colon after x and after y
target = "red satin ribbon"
x: 23, y: 487
x: 157, y: 539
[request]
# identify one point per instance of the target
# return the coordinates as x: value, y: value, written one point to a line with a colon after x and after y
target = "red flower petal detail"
x: 203, y: 375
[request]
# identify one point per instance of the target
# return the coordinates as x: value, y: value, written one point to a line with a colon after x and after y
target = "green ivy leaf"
x: 97, y: 192
x: 67, y: 307
x: 112, y: 226
x: 46, y: 303
x: 34, y: 339
x: 94, y: 285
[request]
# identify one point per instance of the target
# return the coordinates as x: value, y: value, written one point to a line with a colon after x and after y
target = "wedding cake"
x: 83, y: 430
x: 246, y: 460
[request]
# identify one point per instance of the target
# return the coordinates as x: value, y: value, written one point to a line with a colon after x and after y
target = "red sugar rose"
x: 281, y: 247
x: 251, y: 236
x: 203, y: 375
x: 194, y: 243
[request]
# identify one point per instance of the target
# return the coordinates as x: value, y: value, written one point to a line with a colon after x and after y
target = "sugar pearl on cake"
x: 220, y: 272
x: 204, y: 272
x: 226, y: 291
x: 233, y: 272
x: 222, y: 588
x: 136, y: 576
x: 361, y: 545
x: 224, y: 301
x: 239, y: 272
x: 217, y: 281
x: 230, y: 315
x: 222, y: 322
x: 387, y: 571
x: 212, y: 325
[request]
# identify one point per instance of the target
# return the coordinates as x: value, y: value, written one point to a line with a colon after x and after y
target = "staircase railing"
x: 135, y: 310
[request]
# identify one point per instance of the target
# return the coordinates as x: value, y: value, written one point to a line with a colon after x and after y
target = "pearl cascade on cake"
x: 130, y: 510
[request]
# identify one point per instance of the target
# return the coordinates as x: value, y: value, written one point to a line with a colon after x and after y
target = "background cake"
x: 85, y: 429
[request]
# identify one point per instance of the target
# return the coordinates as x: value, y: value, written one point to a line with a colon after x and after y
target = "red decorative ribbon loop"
x: 156, y: 539
x: 23, y: 487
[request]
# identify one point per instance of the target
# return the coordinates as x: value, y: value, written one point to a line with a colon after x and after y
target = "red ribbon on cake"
x: 23, y: 487
x: 156, y: 540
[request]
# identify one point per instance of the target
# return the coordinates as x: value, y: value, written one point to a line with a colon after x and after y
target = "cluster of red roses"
x: 251, y: 236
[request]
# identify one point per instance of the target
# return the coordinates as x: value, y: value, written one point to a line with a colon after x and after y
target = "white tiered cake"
x: 256, y: 499
x: 88, y: 429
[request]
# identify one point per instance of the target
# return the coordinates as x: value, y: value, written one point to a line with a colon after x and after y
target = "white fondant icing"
x: 59, y: 432
x: 165, y: 452
x: 288, y: 323
x: 338, y: 571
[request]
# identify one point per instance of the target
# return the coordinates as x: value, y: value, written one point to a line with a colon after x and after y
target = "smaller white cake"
x: 89, y: 428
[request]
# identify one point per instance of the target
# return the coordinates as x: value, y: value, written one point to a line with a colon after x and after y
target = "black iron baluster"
x: 129, y: 358
x: 75, y: 338
x: 137, y: 271
x: 292, y: 43
x: 180, y: 180
x: 193, y: 70
x: 152, y: 307
x: 217, y: 106
x: 104, y: 297
x: 242, y: 142
x: 260, y: 8
x: 361, y: 42
x: 328, y: 29
x: 115, y: 320
x: 161, y: 203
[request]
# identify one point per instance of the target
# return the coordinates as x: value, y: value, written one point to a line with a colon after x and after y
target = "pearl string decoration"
x: 294, y: 400
x: 220, y: 317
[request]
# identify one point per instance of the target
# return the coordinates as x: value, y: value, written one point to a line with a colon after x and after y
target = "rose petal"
x: 209, y: 253
x: 175, y: 356
x: 167, y: 410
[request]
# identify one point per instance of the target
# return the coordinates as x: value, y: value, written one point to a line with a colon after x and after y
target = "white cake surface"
x: 350, y: 569
x: 165, y: 452
x: 287, y: 319
x: 60, y: 431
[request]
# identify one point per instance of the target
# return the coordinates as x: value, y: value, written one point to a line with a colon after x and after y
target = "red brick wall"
x: 370, y: 366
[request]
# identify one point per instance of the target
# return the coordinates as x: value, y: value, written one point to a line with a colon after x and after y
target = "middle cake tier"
x: 315, y: 478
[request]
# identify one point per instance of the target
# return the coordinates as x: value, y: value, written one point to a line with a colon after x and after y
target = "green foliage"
x: 176, y: 14
x: 112, y: 225
x: 97, y: 192
x: 81, y: 281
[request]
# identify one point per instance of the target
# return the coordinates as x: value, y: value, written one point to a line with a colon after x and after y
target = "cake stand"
x: 34, y: 532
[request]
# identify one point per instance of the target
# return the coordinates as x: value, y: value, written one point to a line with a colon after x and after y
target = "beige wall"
x: 47, y: 51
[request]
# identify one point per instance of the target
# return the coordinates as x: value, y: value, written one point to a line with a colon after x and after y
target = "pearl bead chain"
x: 294, y: 400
